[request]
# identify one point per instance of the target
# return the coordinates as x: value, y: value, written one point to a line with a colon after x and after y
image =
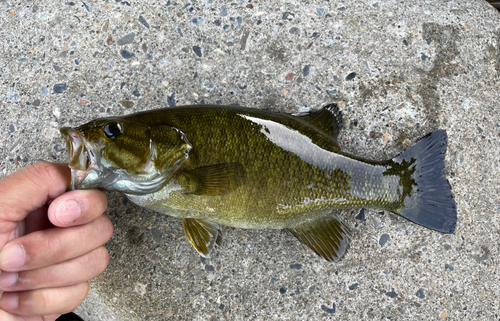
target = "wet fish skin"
x: 248, y: 168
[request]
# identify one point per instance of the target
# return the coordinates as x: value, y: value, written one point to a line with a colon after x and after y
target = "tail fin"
x: 427, y: 198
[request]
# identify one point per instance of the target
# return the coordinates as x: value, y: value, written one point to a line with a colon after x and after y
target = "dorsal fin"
x: 327, y: 119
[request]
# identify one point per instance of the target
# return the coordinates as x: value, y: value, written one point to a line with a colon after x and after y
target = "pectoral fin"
x: 202, y: 235
x: 327, y: 237
x: 212, y: 180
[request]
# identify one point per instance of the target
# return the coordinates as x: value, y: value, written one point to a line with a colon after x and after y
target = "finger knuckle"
x: 103, y: 201
x: 45, y: 300
x: 98, y: 200
x: 101, y: 259
x: 55, y: 245
x: 41, y: 170
x: 79, y: 292
x: 98, y: 260
x: 61, y: 300
x: 52, y: 317
x: 105, y: 228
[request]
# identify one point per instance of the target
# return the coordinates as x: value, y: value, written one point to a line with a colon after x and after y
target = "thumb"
x: 27, y: 190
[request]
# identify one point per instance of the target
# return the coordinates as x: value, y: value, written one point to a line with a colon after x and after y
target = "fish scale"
x: 248, y: 168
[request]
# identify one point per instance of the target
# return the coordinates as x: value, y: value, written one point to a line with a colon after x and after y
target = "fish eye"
x: 113, y: 130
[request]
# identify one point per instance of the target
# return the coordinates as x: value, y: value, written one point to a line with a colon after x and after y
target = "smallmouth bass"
x: 256, y: 169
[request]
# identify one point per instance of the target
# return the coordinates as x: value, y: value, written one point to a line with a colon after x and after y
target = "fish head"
x: 120, y: 155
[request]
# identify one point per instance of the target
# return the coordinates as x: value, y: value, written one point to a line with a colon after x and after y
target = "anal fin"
x: 328, y: 237
x: 202, y: 235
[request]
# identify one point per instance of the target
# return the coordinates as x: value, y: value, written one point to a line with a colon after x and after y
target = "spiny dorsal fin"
x: 202, y: 235
x: 327, y: 119
x: 328, y: 237
x: 213, y: 180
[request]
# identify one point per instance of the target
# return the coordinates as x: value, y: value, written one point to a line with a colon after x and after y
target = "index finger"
x: 27, y: 190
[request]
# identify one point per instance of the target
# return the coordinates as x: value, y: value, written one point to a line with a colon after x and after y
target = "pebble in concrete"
x: 419, y: 67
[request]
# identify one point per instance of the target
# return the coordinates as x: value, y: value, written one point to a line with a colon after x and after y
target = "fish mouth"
x: 87, y: 172
x: 91, y: 169
x: 82, y: 160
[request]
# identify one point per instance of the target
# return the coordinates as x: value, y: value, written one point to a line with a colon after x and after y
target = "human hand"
x: 50, y: 242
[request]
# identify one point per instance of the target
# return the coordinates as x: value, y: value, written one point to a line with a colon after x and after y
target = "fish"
x: 215, y: 166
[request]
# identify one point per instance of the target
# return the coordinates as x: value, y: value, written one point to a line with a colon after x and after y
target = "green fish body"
x: 255, y: 169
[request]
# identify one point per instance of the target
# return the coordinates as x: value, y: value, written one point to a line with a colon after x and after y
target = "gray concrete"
x: 420, y: 65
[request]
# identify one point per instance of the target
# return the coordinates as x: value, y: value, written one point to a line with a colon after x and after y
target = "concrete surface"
x: 419, y: 65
